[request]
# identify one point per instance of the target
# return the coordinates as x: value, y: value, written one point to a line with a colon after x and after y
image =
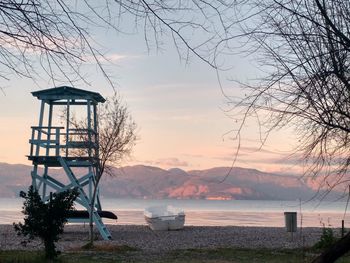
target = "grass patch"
x: 106, y: 248
x: 19, y: 256
x: 113, y: 253
x: 236, y: 255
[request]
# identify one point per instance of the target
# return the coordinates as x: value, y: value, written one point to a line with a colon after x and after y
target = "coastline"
x: 191, y: 237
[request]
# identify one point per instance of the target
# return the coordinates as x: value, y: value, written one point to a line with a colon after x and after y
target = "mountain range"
x: 145, y: 182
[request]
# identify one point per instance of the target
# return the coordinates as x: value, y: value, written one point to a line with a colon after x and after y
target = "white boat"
x: 164, y: 218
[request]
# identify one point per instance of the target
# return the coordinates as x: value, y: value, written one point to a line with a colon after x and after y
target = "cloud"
x: 169, y: 162
x: 111, y: 58
x: 250, y: 149
x: 258, y: 155
x: 194, y: 155
x: 115, y: 57
x: 180, y: 118
x: 281, y: 160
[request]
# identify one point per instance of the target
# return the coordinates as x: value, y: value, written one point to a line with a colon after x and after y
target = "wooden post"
x: 48, y: 145
x: 89, y: 127
x: 32, y: 143
x: 342, y: 228
x: 57, y: 142
x: 67, y: 128
x: 96, y: 142
x: 41, y: 117
x: 96, y: 154
x: 34, y: 174
x: 89, y: 143
x: 49, y: 124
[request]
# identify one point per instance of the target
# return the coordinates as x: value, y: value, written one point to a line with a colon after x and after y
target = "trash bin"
x: 291, y: 221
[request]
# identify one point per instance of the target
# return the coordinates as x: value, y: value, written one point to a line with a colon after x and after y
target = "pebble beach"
x: 191, y: 237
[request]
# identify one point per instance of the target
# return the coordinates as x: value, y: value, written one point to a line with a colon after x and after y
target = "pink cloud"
x: 169, y: 162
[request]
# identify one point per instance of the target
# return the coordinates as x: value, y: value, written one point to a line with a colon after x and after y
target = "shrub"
x: 327, y: 238
x: 45, y: 220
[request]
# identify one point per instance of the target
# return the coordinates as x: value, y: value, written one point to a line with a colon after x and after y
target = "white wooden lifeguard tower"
x: 54, y: 146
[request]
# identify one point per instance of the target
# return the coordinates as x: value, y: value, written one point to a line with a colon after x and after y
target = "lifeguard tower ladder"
x: 71, y: 148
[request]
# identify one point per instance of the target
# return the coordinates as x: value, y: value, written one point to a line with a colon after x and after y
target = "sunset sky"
x: 179, y: 109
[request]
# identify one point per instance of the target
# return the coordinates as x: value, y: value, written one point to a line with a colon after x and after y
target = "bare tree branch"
x: 116, y: 138
x: 304, y: 48
x: 55, y: 36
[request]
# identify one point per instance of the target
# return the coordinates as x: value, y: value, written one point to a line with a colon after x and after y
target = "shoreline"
x: 191, y: 237
x: 215, y: 218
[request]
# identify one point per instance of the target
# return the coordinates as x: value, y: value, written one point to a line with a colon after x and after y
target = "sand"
x: 141, y: 237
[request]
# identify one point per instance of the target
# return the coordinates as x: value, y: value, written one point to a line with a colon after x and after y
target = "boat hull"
x: 165, y: 223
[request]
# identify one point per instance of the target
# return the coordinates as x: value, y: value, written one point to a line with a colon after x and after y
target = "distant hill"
x: 152, y: 182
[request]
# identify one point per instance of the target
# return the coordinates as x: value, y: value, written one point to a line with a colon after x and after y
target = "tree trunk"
x: 335, y: 251
x: 50, y: 248
x: 91, y: 224
x: 92, y: 207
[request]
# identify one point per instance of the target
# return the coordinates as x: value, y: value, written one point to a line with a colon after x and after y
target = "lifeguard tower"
x: 55, y: 144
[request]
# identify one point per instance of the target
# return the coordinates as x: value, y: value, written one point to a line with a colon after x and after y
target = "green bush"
x: 327, y: 239
x: 45, y: 220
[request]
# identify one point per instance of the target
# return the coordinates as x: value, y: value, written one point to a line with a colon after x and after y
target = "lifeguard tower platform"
x: 55, y: 144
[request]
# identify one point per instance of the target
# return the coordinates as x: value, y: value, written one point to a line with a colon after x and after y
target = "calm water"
x: 212, y: 212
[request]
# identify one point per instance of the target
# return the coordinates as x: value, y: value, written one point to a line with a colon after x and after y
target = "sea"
x: 253, y: 213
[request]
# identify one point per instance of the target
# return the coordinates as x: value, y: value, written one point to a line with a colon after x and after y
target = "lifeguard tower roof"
x: 65, y: 93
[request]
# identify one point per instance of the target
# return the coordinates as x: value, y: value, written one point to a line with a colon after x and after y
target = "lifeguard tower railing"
x: 73, y: 148
x: 78, y: 146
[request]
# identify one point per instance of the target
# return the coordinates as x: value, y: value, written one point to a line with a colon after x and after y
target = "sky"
x: 179, y: 109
